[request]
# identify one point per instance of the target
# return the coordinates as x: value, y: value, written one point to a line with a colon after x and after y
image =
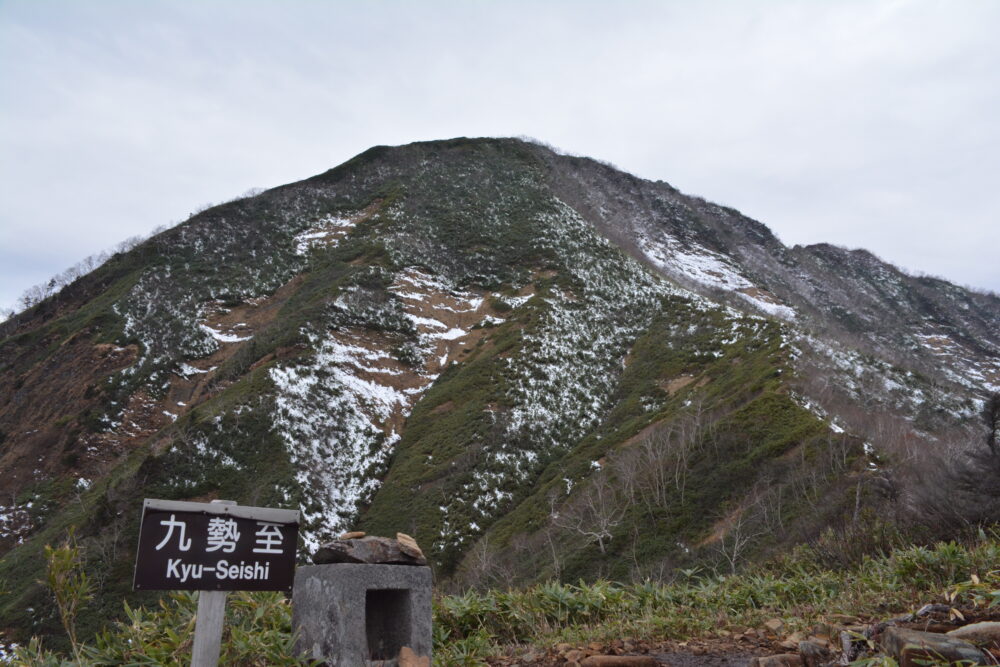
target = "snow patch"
x: 326, y: 232
x: 223, y: 337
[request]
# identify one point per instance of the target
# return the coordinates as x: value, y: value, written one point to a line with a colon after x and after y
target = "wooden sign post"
x: 213, y: 548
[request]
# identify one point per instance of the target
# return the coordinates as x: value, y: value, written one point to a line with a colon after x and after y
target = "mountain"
x: 537, y: 365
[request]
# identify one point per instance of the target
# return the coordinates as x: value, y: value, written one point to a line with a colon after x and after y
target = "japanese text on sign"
x: 197, y: 546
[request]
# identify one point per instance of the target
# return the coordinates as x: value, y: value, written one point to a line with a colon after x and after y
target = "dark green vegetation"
x: 579, y: 415
x: 471, y: 627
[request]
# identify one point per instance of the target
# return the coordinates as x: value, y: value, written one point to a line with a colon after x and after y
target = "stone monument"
x: 365, y: 602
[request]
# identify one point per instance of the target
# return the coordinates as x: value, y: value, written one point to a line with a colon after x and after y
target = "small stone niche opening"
x: 362, y: 614
x: 387, y: 622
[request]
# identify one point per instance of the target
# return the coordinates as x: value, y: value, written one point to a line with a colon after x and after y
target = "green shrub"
x: 258, y: 631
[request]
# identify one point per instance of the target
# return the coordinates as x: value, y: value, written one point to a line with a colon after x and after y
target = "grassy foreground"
x: 471, y: 627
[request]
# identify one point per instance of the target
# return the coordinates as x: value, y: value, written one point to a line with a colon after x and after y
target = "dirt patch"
x: 43, y: 413
x: 939, y: 344
x: 722, y: 527
x: 675, y: 385
x: 643, y: 434
x: 686, y: 659
x: 761, y: 295
x: 448, y: 317
x: 46, y: 412
x: 237, y: 326
x: 706, y: 652
x: 447, y: 406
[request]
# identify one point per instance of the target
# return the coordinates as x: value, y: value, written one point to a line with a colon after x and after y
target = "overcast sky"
x: 869, y: 124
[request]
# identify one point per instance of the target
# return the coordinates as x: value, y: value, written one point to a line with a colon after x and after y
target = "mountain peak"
x: 488, y: 345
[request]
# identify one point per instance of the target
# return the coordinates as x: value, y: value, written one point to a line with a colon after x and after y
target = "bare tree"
x: 654, y: 483
x: 480, y: 566
x: 594, y: 512
x: 737, y: 539
x: 33, y: 295
x: 628, y: 468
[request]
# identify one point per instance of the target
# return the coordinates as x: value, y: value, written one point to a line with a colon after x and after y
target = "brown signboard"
x: 215, y: 547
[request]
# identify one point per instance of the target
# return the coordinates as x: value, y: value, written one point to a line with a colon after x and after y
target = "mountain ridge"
x: 538, y: 365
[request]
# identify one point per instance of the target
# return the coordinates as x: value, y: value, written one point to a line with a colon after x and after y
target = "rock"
x: 371, y: 550
x: 774, y: 625
x: 407, y: 658
x: 933, y: 609
x: 843, y: 619
x: 813, y: 653
x: 408, y: 546
x: 851, y: 645
x: 563, y: 648
x: 792, y: 641
x: 937, y: 628
x: 783, y: 660
x: 986, y: 633
x: 530, y: 658
x: 574, y: 655
x: 618, y: 661
x: 353, y: 535
x: 912, y: 648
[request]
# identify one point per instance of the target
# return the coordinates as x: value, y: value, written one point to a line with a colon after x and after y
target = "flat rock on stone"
x: 371, y: 550
x: 353, y: 535
x: 408, y: 546
x: 774, y: 625
x: 912, y: 648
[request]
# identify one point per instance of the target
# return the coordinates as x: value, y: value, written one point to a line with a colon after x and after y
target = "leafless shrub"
x: 735, y: 542
x: 594, y: 512
x: 484, y: 567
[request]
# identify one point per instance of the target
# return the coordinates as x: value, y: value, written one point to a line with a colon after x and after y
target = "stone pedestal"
x: 354, y: 615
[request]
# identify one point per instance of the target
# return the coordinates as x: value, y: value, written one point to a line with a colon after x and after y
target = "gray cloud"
x: 869, y: 124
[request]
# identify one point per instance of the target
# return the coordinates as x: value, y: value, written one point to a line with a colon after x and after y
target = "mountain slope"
x: 537, y: 365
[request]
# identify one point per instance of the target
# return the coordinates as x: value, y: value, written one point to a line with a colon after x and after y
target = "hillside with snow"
x: 539, y: 366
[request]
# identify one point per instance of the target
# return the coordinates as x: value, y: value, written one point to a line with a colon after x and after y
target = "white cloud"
x: 868, y: 124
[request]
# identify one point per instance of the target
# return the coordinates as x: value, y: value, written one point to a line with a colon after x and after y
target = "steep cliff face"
x: 536, y: 364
